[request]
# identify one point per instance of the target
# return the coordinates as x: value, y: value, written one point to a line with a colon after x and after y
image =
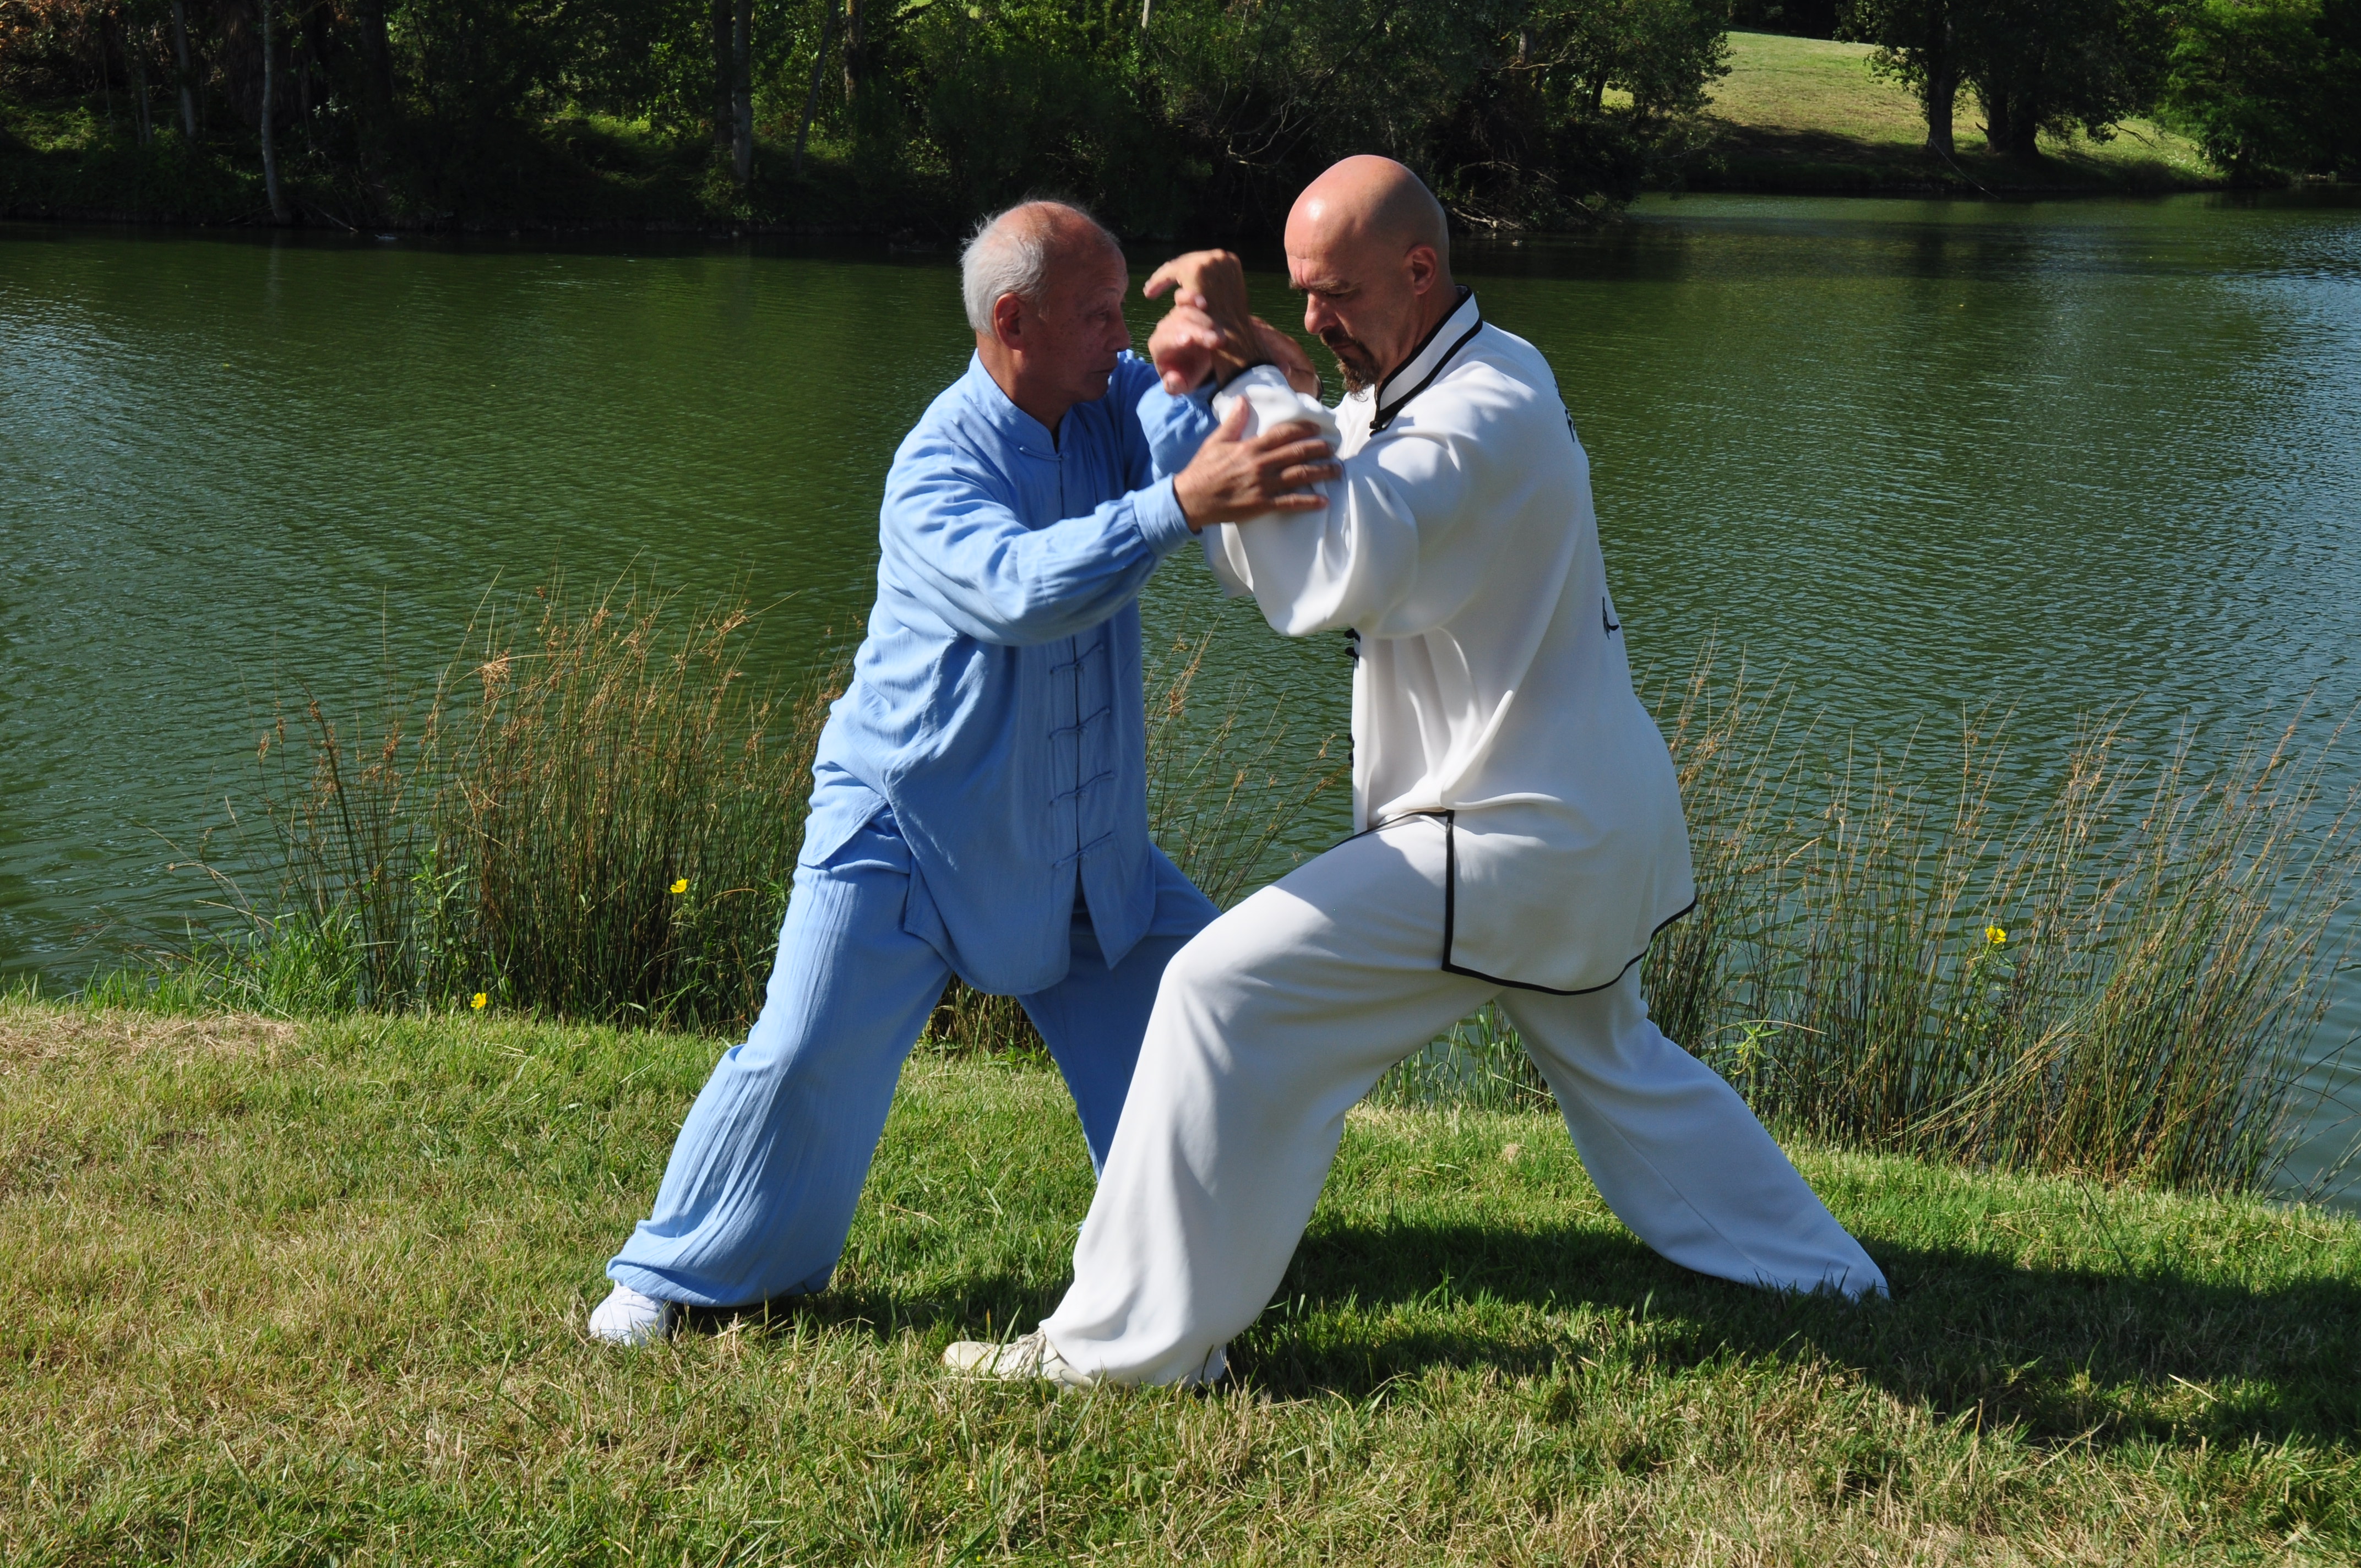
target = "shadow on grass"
x: 1784, y: 159
x: 2066, y: 1354
x: 980, y: 1306
x: 2062, y: 1351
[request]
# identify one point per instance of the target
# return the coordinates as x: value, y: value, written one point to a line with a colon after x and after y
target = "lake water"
x: 2054, y: 456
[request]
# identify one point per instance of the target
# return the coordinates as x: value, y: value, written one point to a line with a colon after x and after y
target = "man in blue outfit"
x: 979, y: 805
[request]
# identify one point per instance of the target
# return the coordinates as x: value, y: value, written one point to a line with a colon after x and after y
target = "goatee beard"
x: 1354, y: 362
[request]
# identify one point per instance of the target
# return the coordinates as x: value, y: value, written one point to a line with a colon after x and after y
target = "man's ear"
x: 1424, y: 267
x: 1007, y: 320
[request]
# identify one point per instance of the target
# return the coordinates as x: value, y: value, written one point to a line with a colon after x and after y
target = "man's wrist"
x: 1160, y: 537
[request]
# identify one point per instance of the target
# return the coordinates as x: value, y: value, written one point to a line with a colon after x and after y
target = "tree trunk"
x: 1942, y: 84
x: 811, y: 98
x: 376, y: 73
x: 269, y: 103
x: 135, y: 60
x: 2024, y: 127
x: 725, y: 98
x: 1942, y: 92
x: 1996, y: 126
x: 106, y: 76
x: 856, y: 48
x: 742, y: 92
x: 188, y: 72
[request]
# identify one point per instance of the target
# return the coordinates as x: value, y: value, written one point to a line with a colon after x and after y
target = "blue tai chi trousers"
x: 757, y: 1198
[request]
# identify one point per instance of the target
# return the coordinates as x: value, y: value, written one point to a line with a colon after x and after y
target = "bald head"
x: 1369, y: 200
x: 1367, y: 244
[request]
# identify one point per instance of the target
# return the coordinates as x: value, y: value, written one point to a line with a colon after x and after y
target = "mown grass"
x: 313, y: 1293
x: 1808, y: 115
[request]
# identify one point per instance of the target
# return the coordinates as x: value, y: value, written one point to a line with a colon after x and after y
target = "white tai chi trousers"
x: 1279, y: 1016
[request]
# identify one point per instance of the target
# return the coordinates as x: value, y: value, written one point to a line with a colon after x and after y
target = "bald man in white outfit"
x: 1520, y: 832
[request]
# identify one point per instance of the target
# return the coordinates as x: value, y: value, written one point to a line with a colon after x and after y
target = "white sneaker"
x: 1020, y: 1360
x: 626, y: 1317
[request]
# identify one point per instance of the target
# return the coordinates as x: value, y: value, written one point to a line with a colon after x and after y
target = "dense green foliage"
x: 1175, y: 115
x: 2270, y: 85
x: 290, y: 1294
x: 1164, y: 113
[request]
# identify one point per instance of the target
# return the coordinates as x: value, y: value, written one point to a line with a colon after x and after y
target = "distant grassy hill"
x: 1806, y: 114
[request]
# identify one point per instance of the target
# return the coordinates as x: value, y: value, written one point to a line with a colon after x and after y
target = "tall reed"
x: 593, y: 814
x: 589, y: 815
x: 2120, y: 977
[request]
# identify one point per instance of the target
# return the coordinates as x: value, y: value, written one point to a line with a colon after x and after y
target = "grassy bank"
x: 304, y: 1292
x: 1806, y: 114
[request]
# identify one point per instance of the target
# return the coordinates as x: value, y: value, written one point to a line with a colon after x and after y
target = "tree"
x: 135, y: 37
x: 1917, y: 45
x: 269, y: 108
x: 725, y: 77
x: 2055, y: 65
x: 857, y: 62
x: 811, y: 95
x: 1533, y: 138
x: 188, y: 76
x: 742, y: 92
x: 1204, y: 113
x: 2268, y: 86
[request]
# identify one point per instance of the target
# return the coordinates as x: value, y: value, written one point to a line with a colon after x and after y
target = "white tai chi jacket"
x: 1492, y: 690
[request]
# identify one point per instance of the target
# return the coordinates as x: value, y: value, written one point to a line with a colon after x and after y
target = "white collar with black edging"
x: 1449, y: 337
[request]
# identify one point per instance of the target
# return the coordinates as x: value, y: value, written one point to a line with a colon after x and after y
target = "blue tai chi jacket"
x: 996, y: 705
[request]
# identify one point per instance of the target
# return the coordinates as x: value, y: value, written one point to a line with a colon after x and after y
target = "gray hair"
x: 1010, y: 253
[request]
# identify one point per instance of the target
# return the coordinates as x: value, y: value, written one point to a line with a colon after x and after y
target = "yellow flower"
x: 479, y: 1001
x: 1995, y: 935
x: 681, y: 885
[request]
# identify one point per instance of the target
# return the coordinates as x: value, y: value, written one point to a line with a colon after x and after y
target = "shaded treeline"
x: 591, y: 816
x: 912, y: 116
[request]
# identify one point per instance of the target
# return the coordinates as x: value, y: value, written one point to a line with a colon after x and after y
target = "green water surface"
x: 2057, y: 458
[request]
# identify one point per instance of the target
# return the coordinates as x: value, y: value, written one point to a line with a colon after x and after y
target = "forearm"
x: 993, y: 579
